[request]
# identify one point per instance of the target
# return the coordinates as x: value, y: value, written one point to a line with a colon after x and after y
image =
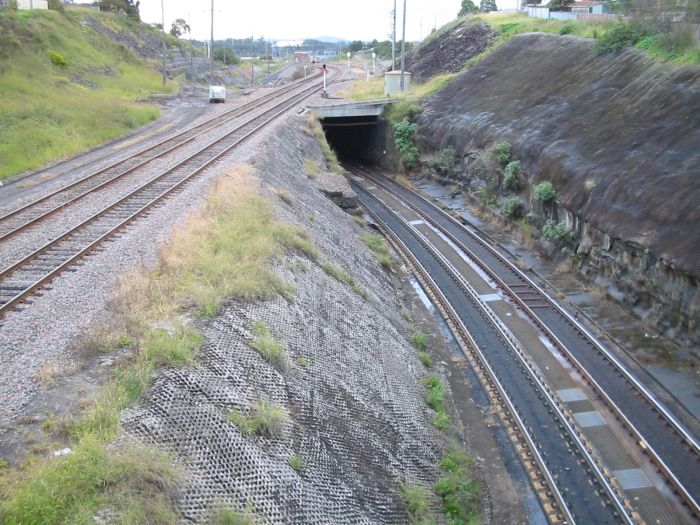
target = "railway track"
x: 568, y: 480
x: 24, y: 277
x: 660, y: 436
x: 28, y: 215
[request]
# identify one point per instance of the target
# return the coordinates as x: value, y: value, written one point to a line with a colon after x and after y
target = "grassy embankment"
x: 224, y: 251
x: 676, y: 49
x: 65, y: 88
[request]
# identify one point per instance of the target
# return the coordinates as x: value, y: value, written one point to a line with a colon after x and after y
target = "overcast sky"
x: 277, y: 19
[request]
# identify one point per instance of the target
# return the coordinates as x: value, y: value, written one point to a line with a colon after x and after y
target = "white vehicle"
x: 217, y: 94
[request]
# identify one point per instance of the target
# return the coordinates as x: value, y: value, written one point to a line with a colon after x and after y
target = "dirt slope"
x: 624, y: 124
x: 448, y: 52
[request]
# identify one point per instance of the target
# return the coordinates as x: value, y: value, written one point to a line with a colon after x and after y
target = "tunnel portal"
x: 356, y: 139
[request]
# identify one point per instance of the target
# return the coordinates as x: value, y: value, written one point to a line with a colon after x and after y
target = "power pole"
x: 211, y: 47
x: 162, y: 18
x: 403, y: 43
x: 252, y: 63
x: 393, y: 39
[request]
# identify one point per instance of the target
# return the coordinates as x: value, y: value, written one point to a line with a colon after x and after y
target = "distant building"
x: 302, y: 56
x: 588, y: 6
x: 32, y: 4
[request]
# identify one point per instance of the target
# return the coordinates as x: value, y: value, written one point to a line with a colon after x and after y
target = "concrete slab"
x: 589, y: 419
x: 490, y: 297
x: 632, y: 478
x: 571, y: 394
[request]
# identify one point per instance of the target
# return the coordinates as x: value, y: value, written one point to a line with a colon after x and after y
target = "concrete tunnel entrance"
x: 356, y: 139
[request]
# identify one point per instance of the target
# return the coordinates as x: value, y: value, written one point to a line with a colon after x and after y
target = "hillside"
x: 71, y: 80
x: 626, y: 124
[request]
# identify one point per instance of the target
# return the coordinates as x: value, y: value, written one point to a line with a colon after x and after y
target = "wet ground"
x: 677, y: 374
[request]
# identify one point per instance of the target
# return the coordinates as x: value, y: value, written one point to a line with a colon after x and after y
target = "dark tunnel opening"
x: 356, y: 139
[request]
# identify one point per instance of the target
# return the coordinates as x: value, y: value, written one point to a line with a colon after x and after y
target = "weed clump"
x: 296, y: 463
x: 269, y: 348
x: 340, y: 274
x: 417, y: 500
x: 379, y: 248
x: 418, y: 340
x: 435, y: 399
x: 311, y: 167
x: 173, y: 349
x: 57, y: 59
x: 457, y: 488
x: 264, y: 419
x: 425, y: 358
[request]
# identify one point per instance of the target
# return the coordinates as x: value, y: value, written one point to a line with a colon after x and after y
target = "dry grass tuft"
x: 48, y: 374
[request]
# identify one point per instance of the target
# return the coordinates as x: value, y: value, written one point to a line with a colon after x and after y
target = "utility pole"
x: 162, y: 18
x: 393, y: 39
x: 252, y: 63
x: 211, y: 47
x: 403, y: 43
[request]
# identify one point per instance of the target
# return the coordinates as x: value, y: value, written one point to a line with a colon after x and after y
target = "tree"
x: 488, y: 5
x: 179, y: 28
x: 560, y: 5
x: 467, y: 8
x: 355, y: 46
x: 128, y: 7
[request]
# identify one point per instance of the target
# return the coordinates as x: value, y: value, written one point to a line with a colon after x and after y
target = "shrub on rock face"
x: 554, y: 230
x: 512, y: 176
x: 514, y: 208
x: 544, y: 191
x: 501, y: 151
x: 403, y: 137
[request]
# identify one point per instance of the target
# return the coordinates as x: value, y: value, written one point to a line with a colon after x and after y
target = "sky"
x: 288, y: 19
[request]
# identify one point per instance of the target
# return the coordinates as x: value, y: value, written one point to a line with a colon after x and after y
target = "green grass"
x: 173, y: 349
x: 417, y: 500
x: 232, y: 517
x: 51, y: 107
x: 296, y: 463
x: 677, y: 46
x: 379, y: 248
x: 340, y: 274
x: 425, y: 359
x: 435, y: 399
x: 264, y: 419
x: 267, y: 346
x: 69, y: 490
x: 457, y: 488
x: 418, y: 340
x: 311, y: 167
x: 136, y: 483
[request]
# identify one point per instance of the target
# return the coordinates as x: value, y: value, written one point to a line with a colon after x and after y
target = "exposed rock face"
x: 336, y: 187
x: 618, y: 137
x: 448, y: 52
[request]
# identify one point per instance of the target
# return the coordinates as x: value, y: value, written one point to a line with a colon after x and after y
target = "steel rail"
x: 664, y: 414
x: 212, y: 123
x: 275, y: 112
x: 612, y: 492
